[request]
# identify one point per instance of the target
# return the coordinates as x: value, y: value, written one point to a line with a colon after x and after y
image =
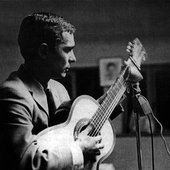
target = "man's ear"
x: 43, y: 50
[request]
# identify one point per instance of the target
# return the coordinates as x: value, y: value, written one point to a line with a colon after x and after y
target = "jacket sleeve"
x: 19, y: 148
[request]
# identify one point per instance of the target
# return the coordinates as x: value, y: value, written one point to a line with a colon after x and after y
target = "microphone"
x: 139, y: 102
x: 141, y: 105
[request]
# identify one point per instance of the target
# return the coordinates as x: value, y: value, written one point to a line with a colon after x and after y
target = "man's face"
x: 60, y: 59
x: 111, y: 69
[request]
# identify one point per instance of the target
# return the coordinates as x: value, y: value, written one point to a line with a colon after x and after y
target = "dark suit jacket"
x: 23, y: 114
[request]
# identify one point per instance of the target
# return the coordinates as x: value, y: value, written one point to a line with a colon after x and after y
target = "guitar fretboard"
x: 113, y: 97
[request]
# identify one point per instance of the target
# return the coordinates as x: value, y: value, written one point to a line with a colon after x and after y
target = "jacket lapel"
x: 40, y: 98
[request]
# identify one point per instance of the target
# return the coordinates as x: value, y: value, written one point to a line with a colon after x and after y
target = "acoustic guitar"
x: 86, y: 112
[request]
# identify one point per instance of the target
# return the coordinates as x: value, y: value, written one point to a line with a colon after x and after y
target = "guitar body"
x: 82, y: 110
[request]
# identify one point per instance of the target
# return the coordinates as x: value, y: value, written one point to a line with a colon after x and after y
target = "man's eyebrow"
x: 70, y: 47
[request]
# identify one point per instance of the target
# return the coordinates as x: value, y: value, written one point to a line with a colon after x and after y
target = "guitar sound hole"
x: 81, y: 125
x: 83, y: 128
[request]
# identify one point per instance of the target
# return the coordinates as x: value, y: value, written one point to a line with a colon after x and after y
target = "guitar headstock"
x: 137, y: 53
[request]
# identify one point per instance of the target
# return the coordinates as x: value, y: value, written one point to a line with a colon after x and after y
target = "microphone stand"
x: 135, y: 91
x: 141, y: 107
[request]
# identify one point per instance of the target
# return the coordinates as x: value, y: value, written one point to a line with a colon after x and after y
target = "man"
x: 46, y: 42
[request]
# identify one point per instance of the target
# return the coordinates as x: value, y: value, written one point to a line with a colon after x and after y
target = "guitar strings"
x: 98, y: 128
x: 104, y: 109
x: 109, y: 111
x: 100, y: 123
x: 99, y: 114
x: 109, y: 96
x: 120, y: 86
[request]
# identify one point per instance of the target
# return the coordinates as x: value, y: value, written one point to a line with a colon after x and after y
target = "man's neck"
x: 38, y: 73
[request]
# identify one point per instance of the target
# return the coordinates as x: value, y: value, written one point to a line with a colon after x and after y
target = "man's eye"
x: 67, y: 50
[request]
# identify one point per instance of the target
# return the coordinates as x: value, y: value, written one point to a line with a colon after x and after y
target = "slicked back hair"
x: 39, y: 28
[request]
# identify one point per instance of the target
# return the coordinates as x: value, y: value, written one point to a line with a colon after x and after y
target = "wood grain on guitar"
x: 86, y: 112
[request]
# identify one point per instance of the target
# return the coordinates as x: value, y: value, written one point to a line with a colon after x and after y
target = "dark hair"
x: 39, y: 28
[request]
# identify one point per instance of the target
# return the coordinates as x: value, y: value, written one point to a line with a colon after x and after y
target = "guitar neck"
x: 113, y: 97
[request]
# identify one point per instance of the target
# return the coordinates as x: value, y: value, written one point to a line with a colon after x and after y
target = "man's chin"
x: 62, y: 75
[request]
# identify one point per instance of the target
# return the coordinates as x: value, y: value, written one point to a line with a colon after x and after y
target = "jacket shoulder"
x: 14, y: 86
x: 13, y: 90
x: 59, y: 90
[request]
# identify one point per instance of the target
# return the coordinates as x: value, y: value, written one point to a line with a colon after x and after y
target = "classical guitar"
x: 87, y: 113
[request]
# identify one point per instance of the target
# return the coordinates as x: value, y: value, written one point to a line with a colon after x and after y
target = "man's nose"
x: 72, y: 57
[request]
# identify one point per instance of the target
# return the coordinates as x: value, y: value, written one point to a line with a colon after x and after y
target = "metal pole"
x: 138, y: 141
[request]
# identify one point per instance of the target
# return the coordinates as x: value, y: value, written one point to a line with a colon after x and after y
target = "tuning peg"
x: 137, y: 40
x: 129, y: 47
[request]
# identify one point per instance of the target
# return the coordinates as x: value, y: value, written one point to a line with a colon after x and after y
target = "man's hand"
x: 90, y: 146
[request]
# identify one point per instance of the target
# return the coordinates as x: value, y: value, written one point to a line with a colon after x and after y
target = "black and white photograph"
x: 110, y: 68
x: 84, y: 84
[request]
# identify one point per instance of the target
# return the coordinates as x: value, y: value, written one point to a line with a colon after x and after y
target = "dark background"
x: 104, y: 27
